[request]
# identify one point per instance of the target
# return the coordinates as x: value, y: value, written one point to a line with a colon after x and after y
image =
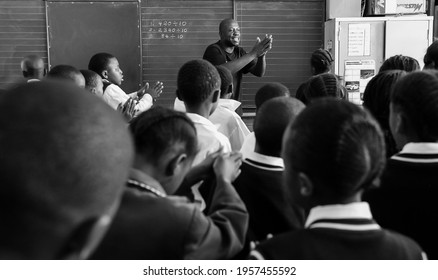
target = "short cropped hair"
x: 271, y: 122
x: 400, y: 62
x: 99, y: 62
x: 197, y: 80
x: 269, y: 91
x: 431, y: 57
x: 32, y: 65
x: 416, y: 94
x: 91, y: 78
x: 159, y: 129
x: 338, y: 145
x: 322, y: 85
x: 70, y: 173
x: 64, y: 72
x: 321, y: 60
x: 226, y: 79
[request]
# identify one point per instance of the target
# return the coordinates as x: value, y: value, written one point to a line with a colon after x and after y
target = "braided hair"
x: 321, y: 61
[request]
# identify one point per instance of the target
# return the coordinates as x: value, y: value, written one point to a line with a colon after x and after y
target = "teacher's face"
x: 230, y: 33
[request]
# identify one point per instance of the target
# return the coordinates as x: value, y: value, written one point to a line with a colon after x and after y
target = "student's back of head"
x: 197, y: 81
x: 376, y: 98
x: 321, y: 61
x: 322, y: 85
x: 32, y: 67
x: 93, y: 82
x: 161, y: 137
x: 431, y: 57
x: 269, y: 91
x: 226, y: 81
x: 400, y: 62
x: 414, y: 108
x: 271, y: 122
x: 332, y: 151
x: 65, y: 158
x: 67, y: 73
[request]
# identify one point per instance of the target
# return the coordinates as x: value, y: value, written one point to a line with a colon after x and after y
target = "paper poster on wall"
x: 357, y: 75
x: 359, y: 39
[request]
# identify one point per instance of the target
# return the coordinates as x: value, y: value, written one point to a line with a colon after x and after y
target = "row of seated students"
x: 86, y: 186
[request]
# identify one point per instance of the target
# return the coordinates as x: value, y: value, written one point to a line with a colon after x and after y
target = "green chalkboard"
x: 78, y: 30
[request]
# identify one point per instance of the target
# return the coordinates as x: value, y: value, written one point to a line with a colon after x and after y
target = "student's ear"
x: 305, y: 185
x: 178, y: 95
x: 176, y: 164
x: 105, y: 74
x: 216, y: 96
x: 230, y: 89
x: 399, y: 121
x: 93, y: 91
x: 85, y: 238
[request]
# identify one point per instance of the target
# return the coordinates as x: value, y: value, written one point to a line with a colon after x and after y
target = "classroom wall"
x: 297, y: 27
x: 22, y: 32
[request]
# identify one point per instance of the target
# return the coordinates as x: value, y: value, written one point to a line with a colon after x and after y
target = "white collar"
x: 144, y: 178
x: 32, y: 80
x: 420, y: 148
x: 276, y: 161
x: 201, y: 120
x: 355, y: 210
x: 230, y: 104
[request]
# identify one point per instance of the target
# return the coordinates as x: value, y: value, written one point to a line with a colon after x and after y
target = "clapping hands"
x: 261, y: 47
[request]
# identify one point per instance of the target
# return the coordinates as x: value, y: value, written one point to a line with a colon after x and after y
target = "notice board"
x: 77, y: 30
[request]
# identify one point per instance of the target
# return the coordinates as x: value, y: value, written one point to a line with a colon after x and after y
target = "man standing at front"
x: 226, y: 52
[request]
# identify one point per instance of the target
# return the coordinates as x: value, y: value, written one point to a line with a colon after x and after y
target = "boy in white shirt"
x: 107, y: 66
x: 198, y: 86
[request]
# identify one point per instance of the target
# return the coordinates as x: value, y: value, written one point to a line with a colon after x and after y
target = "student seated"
x: 260, y: 183
x: 227, y: 121
x: 153, y: 224
x: 265, y: 93
x: 332, y: 152
x: 64, y: 160
x: 431, y: 57
x: 224, y: 117
x: 322, y: 85
x: 107, y: 66
x: 93, y: 82
x: 198, y: 86
x: 406, y: 199
x: 33, y: 69
x: 376, y: 99
x: 400, y: 62
x: 320, y: 62
x: 67, y: 73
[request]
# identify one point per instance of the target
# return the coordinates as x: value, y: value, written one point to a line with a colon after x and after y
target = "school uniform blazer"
x: 260, y: 185
x: 339, y: 232
x: 407, y: 198
x: 152, y: 225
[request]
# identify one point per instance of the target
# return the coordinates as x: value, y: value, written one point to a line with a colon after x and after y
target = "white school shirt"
x: 209, y: 139
x: 248, y: 146
x: 230, y: 123
x: 114, y: 95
